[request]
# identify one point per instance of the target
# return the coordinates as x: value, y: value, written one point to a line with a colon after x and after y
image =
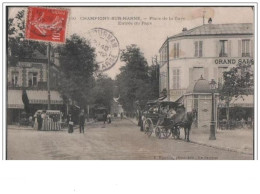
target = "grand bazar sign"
x: 234, y: 61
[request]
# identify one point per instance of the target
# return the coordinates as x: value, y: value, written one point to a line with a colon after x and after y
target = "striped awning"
x: 41, y: 97
x: 244, y: 101
x: 14, y: 100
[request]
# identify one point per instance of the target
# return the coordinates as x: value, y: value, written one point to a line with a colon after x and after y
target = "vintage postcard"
x: 130, y: 83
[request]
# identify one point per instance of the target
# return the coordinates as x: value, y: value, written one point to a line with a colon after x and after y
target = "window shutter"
x: 195, y: 48
x: 206, y: 73
x: 179, y: 78
x: 239, y: 48
x: 217, y: 48
x: 190, y: 75
x: 229, y: 48
x: 178, y: 50
x: 252, y: 48
x: 174, y: 50
x: 200, y: 48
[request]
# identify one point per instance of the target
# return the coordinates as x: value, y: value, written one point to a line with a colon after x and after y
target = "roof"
x: 34, y: 56
x: 199, y: 86
x: 217, y: 29
x: 14, y: 99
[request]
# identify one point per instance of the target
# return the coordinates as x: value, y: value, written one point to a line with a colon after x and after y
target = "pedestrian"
x: 39, y: 120
x: 109, y: 118
x: 104, y: 117
x: 70, y: 123
x: 44, y: 120
x: 121, y: 115
x: 82, y: 121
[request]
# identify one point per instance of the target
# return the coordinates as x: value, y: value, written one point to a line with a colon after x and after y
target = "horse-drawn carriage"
x: 166, y: 118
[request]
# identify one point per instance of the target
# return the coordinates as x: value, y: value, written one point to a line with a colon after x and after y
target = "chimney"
x: 210, y: 21
x: 184, y: 29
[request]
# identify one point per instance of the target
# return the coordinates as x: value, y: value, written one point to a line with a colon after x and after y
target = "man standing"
x: 70, y: 123
x: 39, y: 120
x: 104, y: 117
x: 81, y: 121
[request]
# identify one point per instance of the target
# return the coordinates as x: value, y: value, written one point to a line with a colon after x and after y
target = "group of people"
x: 106, y: 118
x: 82, y: 119
x: 43, y: 121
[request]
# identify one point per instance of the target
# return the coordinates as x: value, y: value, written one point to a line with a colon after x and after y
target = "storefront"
x: 15, y: 106
x: 38, y: 100
x: 241, y: 108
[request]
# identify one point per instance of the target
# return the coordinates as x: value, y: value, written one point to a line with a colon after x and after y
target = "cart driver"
x: 164, y: 113
x: 171, y: 113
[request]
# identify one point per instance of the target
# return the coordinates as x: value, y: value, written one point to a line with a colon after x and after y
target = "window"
x: 176, y: 50
x: 15, y: 78
x: 163, y: 80
x: 198, y: 48
x: 245, y: 48
x: 164, y: 55
x: 220, y: 74
x: 32, y: 79
x: 197, y: 73
x: 176, y: 78
x: 223, y: 48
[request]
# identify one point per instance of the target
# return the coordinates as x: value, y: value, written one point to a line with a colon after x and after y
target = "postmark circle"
x: 106, y: 47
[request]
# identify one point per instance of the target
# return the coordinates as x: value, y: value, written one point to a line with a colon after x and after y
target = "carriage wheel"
x: 158, y: 132
x: 148, y: 127
x: 166, y: 132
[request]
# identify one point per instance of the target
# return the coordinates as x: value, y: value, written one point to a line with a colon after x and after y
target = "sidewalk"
x: 238, y: 140
x: 22, y: 127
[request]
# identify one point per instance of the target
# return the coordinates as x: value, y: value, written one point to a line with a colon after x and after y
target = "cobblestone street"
x: 120, y: 140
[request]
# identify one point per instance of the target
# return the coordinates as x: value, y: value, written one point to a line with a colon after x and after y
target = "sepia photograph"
x: 130, y: 82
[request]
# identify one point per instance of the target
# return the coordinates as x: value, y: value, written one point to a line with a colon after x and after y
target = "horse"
x: 185, y: 120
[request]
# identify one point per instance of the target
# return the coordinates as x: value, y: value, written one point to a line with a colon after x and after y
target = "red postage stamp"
x: 46, y: 24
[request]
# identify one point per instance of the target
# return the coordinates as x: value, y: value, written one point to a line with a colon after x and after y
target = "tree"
x: 102, y: 92
x: 18, y: 47
x: 154, y: 73
x: 77, y: 65
x: 238, y: 81
x: 135, y: 80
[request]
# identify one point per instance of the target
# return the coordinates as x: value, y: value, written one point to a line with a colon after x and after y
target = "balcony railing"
x: 223, y: 54
x: 245, y: 54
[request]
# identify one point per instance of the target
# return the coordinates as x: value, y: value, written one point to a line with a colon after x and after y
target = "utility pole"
x: 157, y: 66
x: 168, y: 71
x: 203, y: 16
x: 48, y: 73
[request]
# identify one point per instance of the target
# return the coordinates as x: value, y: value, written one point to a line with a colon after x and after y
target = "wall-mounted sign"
x: 230, y: 61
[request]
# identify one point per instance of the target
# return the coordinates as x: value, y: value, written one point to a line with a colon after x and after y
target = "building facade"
x: 206, y: 51
x: 199, y: 55
x: 31, y: 75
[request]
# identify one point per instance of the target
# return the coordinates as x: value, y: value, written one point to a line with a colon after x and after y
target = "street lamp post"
x: 212, y: 136
x: 48, y: 78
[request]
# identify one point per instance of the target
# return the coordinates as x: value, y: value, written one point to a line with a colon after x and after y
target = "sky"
x: 147, y: 27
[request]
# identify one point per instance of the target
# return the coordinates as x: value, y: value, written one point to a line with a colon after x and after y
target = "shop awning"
x: 41, y: 97
x: 14, y: 100
x: 244, y: 101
